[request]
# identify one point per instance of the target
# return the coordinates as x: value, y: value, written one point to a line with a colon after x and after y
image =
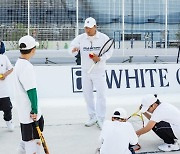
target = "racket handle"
x: 136, y: 147
x: 91, y: 68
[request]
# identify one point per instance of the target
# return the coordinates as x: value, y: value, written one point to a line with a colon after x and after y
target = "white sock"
x: 30, y: 147
x: 21, y: 148
x: 38, y: 146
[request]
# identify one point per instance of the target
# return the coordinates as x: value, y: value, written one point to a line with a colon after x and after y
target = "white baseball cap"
x: 120, y: 113
x: 29, y: 41
x: 147, y: 101
x: 90, y: 22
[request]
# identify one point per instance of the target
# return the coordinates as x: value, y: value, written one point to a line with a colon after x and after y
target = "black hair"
x: 158, y: 101
x: 117, y: 114
x: 23, y: 45
x: 116, y: 118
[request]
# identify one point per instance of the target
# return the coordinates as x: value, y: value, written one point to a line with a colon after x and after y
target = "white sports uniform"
x: 168, y: 113
x: 88, y: 44
x: 24, y: 80
x: 116, y: 137
x: 5, y: 65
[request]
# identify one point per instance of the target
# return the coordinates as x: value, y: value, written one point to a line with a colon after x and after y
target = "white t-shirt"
x: 168, y: 113
x: 116, y: 137
x: 5, y: 65
x: 24, y: 81
x: 87, y: 45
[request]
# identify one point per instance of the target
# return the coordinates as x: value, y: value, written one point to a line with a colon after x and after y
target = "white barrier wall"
x: 65, y: 81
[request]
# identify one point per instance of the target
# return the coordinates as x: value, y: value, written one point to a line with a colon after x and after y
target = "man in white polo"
x: 91, y: 42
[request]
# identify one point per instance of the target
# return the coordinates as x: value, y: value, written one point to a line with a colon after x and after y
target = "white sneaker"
x: 100, y: 123
x: 91, y: 121
x: 10, y: 125
x: 21, y: 148
x: 169, y: 147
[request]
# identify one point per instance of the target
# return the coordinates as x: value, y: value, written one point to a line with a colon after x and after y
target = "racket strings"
x: 137, y: 122
x: 108, y: 45
x: 103, y: 50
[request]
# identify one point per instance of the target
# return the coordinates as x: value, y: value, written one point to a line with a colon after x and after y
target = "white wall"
x: 65, y: 81
x: 61, y: 81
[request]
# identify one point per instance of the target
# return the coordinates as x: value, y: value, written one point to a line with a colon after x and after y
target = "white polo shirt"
x: 88, y: 44
x: 116, y: 137
x: 24, y: 80
x: 5, y: 65
x: 168, y: 113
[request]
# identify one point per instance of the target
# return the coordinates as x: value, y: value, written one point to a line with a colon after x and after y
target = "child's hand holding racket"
x: 137, y: 120
x: 33, y: 116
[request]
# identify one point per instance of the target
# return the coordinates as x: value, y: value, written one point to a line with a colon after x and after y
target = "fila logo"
x: 76, y: 79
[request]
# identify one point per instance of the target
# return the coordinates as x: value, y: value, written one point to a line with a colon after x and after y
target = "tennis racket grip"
x: 136, y: 147
x: 91, y: 68
x: 41, y: 138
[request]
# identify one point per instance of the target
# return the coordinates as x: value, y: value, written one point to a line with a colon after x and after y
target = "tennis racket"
x: 103, y: 50
x: 41, y: 138
x: 137, y: 120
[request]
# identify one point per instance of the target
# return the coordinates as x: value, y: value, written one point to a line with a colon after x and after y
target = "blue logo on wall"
x: 76, y: 79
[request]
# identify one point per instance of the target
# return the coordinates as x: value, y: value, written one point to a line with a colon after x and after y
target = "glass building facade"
x: 138, y: 23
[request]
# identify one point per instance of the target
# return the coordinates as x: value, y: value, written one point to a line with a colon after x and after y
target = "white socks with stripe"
x: 30, y: 147
x: 21, y: 148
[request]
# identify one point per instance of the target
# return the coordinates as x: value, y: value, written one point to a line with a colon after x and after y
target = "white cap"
x: 90, y: 22
x: 147, y: 101
x: 120, y: 113
x: 29, y: 41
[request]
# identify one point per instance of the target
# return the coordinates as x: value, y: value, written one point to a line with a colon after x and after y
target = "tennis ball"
x: 91, y: 55
x: 1, y: 76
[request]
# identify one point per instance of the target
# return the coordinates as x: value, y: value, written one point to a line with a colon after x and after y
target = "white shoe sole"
x: 90, y: 124
x: 176, y: 149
